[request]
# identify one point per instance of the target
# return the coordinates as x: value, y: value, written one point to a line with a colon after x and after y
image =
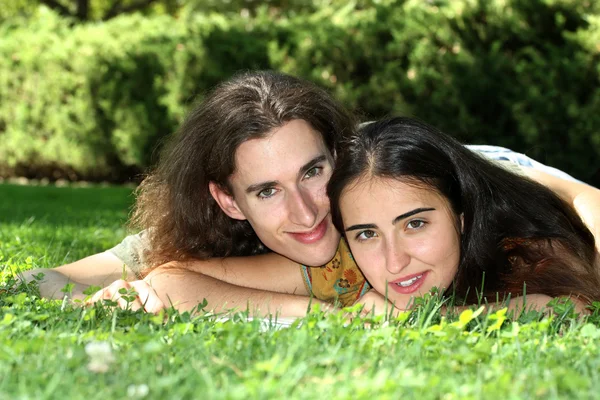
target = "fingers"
x: 136, y: 295
x: 148, y: 298
x: 111, y: 292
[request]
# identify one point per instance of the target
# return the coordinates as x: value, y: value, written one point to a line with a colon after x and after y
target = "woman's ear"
x: 225, y: 201
x: 462, y: 222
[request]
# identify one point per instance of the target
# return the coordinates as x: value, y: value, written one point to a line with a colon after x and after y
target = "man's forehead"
x: 283, y: 150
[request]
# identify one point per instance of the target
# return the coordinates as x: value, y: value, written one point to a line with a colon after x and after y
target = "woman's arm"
x: 377, y: 304
x: 584, y: 198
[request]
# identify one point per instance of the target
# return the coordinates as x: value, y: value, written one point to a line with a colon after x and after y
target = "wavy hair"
x: 517, y: 233
x: 174, y: 204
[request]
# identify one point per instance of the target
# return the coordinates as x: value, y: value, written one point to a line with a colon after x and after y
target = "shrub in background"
x: 98, y: 98
x: 522, y: 74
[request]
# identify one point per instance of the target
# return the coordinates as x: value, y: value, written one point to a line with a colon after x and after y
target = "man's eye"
x: 314, y: 171
x: 266, y: 193
x: 416, y: 224
x: 366, y: 234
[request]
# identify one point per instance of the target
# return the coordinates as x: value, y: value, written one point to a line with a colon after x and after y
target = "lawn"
x: 52, y: 349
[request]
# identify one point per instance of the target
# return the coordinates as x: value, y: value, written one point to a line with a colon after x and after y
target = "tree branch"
x: 83, y: 9
x: 112, y: 11
x: 117, y: 8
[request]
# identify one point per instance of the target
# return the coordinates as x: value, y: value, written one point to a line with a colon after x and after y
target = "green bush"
x: 522, y: 74
x: 97, y: 98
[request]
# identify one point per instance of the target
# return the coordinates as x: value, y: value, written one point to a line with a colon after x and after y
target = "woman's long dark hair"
x: 516, y: 232
x: 174, y: 203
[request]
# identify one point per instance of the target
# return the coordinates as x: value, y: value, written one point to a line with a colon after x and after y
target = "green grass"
x: 179, y: 356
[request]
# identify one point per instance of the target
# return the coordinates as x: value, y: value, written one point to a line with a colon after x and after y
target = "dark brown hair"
x: 517, y: 233
x: 173, y: 202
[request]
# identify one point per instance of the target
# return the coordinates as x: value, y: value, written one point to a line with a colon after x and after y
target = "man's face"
x: 279, y: 186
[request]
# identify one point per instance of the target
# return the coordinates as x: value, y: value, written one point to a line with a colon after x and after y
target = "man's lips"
x: 313, y: 236
x: 408, y: 284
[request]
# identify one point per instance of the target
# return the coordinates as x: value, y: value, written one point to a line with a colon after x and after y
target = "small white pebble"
x: 138, y: 391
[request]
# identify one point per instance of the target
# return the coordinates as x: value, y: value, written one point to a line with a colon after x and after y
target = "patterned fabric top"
x: 131, y: 251
x: 507, y: 157
x: 340, y: 279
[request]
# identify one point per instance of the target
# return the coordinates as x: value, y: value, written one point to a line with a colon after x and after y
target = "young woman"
x: 419, y: 211
x: 244, y: 176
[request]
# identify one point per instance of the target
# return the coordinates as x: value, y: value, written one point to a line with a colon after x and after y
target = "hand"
x: 517, y: 305
x: 145, y: 297
x: 541, y: 302
x: 375, y: 303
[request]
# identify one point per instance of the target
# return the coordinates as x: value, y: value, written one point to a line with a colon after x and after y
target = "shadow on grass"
x: 68, y: 205
x: 59, y: 225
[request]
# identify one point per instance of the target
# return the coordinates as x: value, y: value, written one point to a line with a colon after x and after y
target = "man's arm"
x: 270, y: 272
x: 185, y: 289
x: 98, y: 270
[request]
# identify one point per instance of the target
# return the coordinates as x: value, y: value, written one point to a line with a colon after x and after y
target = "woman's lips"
x: 408, y: 284
x: 313, y: 236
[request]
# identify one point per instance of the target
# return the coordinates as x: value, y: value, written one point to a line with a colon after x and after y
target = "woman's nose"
x: 397, y: 258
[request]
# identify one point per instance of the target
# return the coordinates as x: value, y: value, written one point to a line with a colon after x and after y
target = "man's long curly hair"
x: 174, y: 205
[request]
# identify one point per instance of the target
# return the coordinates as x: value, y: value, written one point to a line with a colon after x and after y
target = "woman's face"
x: 405, y: 238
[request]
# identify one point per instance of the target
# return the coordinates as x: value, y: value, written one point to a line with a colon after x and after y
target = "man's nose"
x: 302, y: 209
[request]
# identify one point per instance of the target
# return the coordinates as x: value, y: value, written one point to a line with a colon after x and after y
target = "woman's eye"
x: 365, y: 235
x: 416, y: 224
x: 314, y: 171
x: 266, y: 193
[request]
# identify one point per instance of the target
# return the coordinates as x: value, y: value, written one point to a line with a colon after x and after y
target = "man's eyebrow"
x: 266, y: 185
x: 312, y: 163
x: 398, y: 218
x: 261, y: 186
x: 411, y: 213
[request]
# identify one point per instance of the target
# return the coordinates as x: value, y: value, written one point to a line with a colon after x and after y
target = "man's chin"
x: 318, y: 261
x: 315, y: 263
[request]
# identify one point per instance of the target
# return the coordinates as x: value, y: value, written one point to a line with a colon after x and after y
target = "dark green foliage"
x: 97, y: 99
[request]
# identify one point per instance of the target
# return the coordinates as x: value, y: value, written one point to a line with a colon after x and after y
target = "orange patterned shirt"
x: 339, y: 279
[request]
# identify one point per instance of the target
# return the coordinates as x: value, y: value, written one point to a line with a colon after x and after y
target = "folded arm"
x: 270, y: 272
x: 185, y: 289
x: 97, y: 270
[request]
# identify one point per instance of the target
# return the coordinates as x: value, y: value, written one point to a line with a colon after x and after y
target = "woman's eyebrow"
x: 360, y: 226
x: 398, y: 218
x: 411, y: 213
